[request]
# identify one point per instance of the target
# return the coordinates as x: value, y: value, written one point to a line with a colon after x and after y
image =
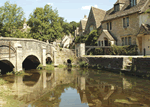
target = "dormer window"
x: 132, y: 3
x: 116, y: 7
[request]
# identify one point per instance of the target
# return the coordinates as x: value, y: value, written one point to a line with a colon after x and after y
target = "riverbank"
x: 129, y: 65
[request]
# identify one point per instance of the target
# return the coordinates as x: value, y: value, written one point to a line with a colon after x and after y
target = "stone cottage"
x: 127, y: 24
x: 82, y: 25
x: 95, y: 17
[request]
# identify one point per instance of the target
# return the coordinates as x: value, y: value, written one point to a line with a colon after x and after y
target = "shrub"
x: 116, y: 50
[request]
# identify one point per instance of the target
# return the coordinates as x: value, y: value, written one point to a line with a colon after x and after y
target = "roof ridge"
x: 97, y: 8
x: 144, y: 5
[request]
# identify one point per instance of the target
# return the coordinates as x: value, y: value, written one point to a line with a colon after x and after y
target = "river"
x: 70, y: 87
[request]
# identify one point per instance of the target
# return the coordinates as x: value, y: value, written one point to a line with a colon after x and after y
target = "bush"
x: 116, y: 50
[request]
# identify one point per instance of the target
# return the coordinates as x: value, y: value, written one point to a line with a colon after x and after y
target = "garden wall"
x: 141, y: 64
x: 111, y: 63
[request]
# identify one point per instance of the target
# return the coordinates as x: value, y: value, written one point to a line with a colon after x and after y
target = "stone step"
x: 128, y: 66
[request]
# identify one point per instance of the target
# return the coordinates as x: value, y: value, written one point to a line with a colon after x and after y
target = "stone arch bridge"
x: 23, y: 53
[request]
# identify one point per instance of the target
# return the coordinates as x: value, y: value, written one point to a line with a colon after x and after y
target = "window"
x: 129, y: 40
x: 122, y: 41
x: 132, y: 3
x: 126, y: 41
x: 116, y: 7
x: 125, y: 22
x: 109, y: 26
x: 91, y: 28
x: 99, y: 43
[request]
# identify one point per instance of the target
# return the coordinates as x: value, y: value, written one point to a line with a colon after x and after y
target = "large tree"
x: 73, y: 26
x: 11, y: 19
x: 45, y: 24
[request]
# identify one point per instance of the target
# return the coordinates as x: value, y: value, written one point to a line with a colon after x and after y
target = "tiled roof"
x: 144, y: 29
x: 142, y: 6
x: 83, y: 24
x: 108, y: 35
x: 98, y: 15
x: 120, y: 1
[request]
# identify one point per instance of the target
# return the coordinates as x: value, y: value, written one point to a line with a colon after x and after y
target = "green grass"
x: 61, y: 66
x: 49, y: 67
x: 2, y: 82
x: 16, y: 73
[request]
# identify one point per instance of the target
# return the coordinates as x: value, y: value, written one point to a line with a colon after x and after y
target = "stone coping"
x: 21, y: 39
x: 116, y: 56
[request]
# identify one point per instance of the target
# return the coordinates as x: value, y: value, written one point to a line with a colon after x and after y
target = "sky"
x: 71, y: 10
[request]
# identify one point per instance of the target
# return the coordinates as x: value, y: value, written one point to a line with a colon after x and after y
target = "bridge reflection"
x: 44, y: 89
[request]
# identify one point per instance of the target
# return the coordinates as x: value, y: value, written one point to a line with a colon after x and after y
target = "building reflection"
x: 45, y: 89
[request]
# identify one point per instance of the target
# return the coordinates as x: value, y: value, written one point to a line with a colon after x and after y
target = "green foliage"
x: 45, y: 24
x: 116, y: 50
x: 49, y: 67
x: 61, y: 66
x: 11, y: 20
x: 90, y: 39
x: 130, y: 58
x: 83, y: 64
x: 69, y: 27
x: 2, y: 82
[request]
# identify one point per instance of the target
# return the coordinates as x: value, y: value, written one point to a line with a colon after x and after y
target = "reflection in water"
x: 31, y: 79
x: 61, y: 88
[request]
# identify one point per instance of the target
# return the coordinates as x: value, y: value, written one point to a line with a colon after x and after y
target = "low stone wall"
x: 141, y: 65
x: 111, y: 63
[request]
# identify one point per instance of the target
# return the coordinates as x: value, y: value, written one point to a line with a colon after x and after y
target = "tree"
x: 92, y: 38
x: 73, y: 26
x: 45, y: 24
x: 11, y: 19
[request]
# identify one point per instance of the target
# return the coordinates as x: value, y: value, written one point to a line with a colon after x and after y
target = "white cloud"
x: 88, y: 7
x: 95, y: 6
x: 50, y: 3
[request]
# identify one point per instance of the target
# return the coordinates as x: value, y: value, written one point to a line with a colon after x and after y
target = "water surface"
x: 74, y: 88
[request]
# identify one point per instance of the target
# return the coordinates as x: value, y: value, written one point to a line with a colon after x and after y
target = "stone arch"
x: 49, y: 59
x: 68, y: 61
x: 6, y: 66
x: 30, y: 62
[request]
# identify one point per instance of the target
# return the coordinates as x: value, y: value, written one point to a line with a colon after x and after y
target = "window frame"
x: 126, y: 41
x: 116, y: 7
x: 126, y: 22
x: 129, y: 41
x: 109, y: 26
x: 133, y: 3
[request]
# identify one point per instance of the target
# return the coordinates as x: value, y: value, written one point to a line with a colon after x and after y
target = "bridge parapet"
x: 16, y: 50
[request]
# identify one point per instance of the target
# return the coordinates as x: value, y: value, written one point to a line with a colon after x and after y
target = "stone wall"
x: 63, y: 55
x: 111, y: 63
x: 119, y: 31
x: 141, y: 64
